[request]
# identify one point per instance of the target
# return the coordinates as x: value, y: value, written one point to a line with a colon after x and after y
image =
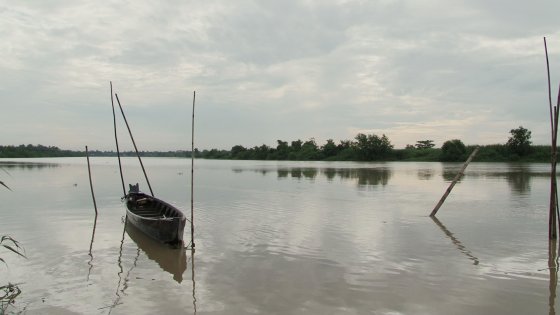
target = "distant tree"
x: 261, y: 153
x: 296, y: 145
x: 425, y: 144
x: 309, y: 150
x: 282, y: 150
x: 409, y: 147
x: 520, y: 141
x: 329, y: 149
x: 238, y: 152
x: 372, y: 147
x: 453, y: 150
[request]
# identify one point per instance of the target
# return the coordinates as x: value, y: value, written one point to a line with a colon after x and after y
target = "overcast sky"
x: 268, y: 70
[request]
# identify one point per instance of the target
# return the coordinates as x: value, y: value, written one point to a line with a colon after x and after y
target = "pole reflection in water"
x: 90, y: 262
x: 119, y: 263
x: 172, y: 260
x: 455, y: 241
x: 553, y: 270
x: 193, y: 281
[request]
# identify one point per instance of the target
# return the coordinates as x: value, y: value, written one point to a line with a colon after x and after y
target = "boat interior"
x: 148, y: 207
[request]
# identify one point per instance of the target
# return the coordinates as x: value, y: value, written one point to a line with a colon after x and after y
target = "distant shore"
x: 487, y: 153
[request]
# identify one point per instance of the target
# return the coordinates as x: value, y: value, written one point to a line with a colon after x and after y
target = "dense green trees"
x: 372, y: 147
x: 31, y: 151
x: 453, y: 150
x: 363, y: 147
x: 520, y: 141
x: 424, y: 144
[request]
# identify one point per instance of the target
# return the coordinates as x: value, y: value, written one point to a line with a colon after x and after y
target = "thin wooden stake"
x: 454, y: 182
x: 135, y: 148
x: 553, y: 219
x: 116, y: 139
x: 549, y: 89
x: 192, y: 172
x: 91, y: 183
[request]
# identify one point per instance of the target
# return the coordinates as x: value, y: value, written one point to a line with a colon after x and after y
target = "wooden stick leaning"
x: 553, y: 209
x: 455, y: 180
x: 116, y: 140
x: 135, y: 148
x: 91, y: 183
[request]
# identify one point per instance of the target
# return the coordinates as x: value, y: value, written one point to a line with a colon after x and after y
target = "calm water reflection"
x: 363, y: 176
x: 284, y: 238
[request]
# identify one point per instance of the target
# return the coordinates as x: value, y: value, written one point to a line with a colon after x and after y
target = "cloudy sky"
x: 268, y: 70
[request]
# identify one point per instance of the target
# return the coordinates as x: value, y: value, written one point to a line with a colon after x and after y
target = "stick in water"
x: 116, y: 140
x: 448, y: 191
x: 134, y: 143
x: 91, y: 183
x: 192, y: 173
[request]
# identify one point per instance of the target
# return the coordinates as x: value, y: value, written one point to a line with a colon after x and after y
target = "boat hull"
x: 156, y: 218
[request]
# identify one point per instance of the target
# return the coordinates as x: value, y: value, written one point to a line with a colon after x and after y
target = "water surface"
x: 282, y: 238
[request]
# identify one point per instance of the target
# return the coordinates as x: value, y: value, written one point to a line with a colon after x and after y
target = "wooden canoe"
x: 156, y: 218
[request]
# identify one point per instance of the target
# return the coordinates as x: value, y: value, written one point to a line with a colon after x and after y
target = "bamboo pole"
x: 91, y: 183
x: 457, y: 177
x: 554, y: 111
x: 135, y: 148
x: 192, y: 172
x: 116, y: 139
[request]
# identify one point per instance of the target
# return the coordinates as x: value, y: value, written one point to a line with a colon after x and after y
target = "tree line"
x: 372, y: 147
x: 363, y: 147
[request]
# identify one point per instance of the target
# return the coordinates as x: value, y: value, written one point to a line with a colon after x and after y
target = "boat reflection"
x: 455, y: 241
x: 172, y: 260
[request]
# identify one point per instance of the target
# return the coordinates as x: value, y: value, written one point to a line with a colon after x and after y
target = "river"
x: 282, y: 238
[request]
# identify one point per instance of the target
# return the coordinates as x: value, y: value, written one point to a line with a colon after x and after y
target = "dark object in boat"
x: 155, y: 217
x: 172, y: 260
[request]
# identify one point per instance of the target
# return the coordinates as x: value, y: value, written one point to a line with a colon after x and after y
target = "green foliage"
x: 453, y: 151
x: 8, y: 295
x: 9, y: 292
x: 329, y: 149
x: 362, y: 148
x: 32, y: 151
x: 520, y: 141
x: 493, y: 153
x: 372, y: 147
x: 12, y: 245
x: 425, y: 144
x: 413, y: 154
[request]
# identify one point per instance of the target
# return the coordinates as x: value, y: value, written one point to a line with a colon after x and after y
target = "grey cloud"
x: 289, y: 69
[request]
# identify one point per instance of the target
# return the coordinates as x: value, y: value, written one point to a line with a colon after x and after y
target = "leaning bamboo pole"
x: 116, y: 139
x: 91, y: 183
x: 455, y: 180
x: 134, y: 144
x: 554, y: 111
